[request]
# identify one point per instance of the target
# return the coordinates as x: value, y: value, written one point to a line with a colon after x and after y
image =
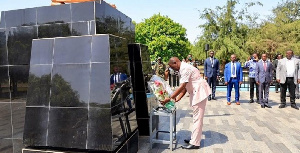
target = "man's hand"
x: 177, y: 99
x: 278, y: 80
x: 205, y: 78
x: 226, y: 83
x: 241, y: 82
x: 165, y: 101
x: 257, y: 82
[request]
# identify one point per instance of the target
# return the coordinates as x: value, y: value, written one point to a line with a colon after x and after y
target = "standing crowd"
x: 260, y: 76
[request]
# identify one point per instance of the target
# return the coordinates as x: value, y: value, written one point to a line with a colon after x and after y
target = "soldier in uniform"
x: 160, y: 68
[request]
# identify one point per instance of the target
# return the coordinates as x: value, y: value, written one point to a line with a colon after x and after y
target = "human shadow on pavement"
x: 209, y: 138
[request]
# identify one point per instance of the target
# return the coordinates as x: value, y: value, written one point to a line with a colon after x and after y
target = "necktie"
x: 233, y: 69
x: 265, y: 66
x: 212, y: 62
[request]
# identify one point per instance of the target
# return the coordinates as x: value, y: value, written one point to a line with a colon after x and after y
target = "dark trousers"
x: 289, y: 84
x: 252, y: 83
x: 235, y: 83
x: 277, y: 85
x: 212, y: 81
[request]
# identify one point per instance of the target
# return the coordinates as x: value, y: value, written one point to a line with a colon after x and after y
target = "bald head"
x: 174, y: 63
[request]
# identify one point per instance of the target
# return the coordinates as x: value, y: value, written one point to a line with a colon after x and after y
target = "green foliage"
x: 229, y: 31
x: 163, y: 36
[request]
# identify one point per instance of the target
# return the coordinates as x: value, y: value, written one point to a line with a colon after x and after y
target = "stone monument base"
x: 129, y: 146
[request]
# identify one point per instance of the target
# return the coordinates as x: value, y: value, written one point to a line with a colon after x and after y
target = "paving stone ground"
x: 246, y: 128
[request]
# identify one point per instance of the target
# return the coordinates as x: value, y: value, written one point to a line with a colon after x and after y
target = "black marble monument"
x: 58, y: 68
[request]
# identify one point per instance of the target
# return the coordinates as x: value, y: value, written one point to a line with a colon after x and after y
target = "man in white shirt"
x: 288, y: 75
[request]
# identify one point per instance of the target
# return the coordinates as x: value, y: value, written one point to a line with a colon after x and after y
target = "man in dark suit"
x: 233, y: 74
x: 288, y: 75
x: 263, y: 78
x: 211, y: 73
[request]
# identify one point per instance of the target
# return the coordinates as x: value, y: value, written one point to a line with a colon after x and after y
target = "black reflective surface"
x: 5, y: 126
x: 100, y: 129
x: 5, y: 86
x: 18, y: 116
x: 54, y: 30
x: 99, y: 86
x: 101, y: 48
x: 75, y: 78
x: 82, y: 12
x: 3, y: 47
x: 72, y: 50
x: 19, y: 44
x: 42, y: 52
x: 38, y: 93
x: 68, y: 127
x: 70, y: 85
x: 54, y: 14
x: 19, y: 82
x: 36, y: 135
x: 15, y: 19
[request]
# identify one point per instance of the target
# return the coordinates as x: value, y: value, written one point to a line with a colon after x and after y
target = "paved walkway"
x: 236, y: 129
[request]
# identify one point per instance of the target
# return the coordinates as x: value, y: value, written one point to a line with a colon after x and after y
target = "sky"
x: 186, y: 13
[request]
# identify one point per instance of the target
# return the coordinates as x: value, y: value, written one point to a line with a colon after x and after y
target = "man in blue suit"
x: 233, y: 74
x: 263, y: 78
x: 211, y: 73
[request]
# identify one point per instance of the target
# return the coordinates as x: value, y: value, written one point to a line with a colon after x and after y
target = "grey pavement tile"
x: 237, y: 151
x: 283, y: 148
x: 245, y: 128
x: 218, y: 150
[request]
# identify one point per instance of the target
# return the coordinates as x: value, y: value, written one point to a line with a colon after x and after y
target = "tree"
x: 163, y: 36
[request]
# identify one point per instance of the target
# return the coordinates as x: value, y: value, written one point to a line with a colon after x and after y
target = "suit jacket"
x: 239, y: 72
x: 121, y: 77
x: 262, y: 75
x: 210, y: 71
x: 281, y: 70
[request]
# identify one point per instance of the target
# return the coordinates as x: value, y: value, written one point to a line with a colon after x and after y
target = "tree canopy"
x: 228, y: 31
x: 164, y: 37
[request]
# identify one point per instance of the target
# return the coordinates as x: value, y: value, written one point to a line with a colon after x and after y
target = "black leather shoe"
x: 281, y: 105
x: 190, y: 147
x: 257, y: 101
x: 214, y: 98
x: 295, y: 106
x: 209, y: 98
x: 262, y: 106
x: 268, y: 106
x: 187, y: 140
x: 251, y: 101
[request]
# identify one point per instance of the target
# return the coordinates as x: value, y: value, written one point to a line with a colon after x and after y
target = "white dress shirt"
x: 290, y: 68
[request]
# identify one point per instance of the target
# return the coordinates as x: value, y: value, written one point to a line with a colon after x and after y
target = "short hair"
x: 290, y: 50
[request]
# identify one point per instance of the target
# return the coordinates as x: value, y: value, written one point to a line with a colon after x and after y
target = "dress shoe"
x: 209, y: 98
x: 281, y: 105
x: 295, y: 106
x: 187, y: 140
x: 276, y: 91
x: 268, y: 106
x: 228, y: 103
x: 237, y: 103
x: 262, y: 106
x: 190, y: 147
x: 251, y: 101
x: 257, y: 101
x: 214, y: 98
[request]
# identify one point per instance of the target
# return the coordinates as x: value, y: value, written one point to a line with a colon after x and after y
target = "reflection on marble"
x: 67, y: 127
x: 5, y: 120
x: 19, y: 82
x: 17, y: 30
x: 5, y: 86
x: 87, y: 103
x: 36, y: 135
x: 70, y: 85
